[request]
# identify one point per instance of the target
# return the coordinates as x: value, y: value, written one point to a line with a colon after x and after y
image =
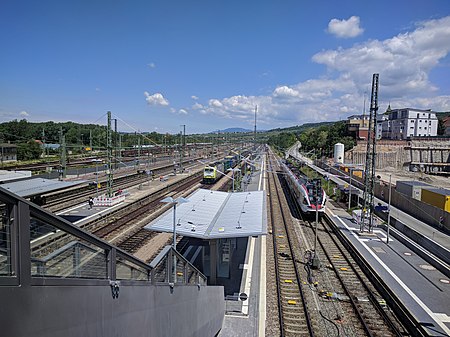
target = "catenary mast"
x: 369, y: 177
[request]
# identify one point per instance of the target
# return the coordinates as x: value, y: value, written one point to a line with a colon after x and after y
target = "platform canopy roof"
x: 37, y: 186
x: 13, y: 175
x: 213, y: 215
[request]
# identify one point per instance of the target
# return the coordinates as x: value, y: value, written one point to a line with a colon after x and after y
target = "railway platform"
x: 245, y: 313
x: 82, y: 213
x: 424, y: 289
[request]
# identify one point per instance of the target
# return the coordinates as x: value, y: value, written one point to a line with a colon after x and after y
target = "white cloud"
x: 197, y: 106
x: 151, y: 65
x: 345, y: 28
x: 195, y: 98
x: 24, y: 114
x: 173, y: 110
x: 404, y: 63
x: 285, y: 92
x: 97, y: 89
x: 156, y: 99
x: 215, y: 103
x: 182, y: 112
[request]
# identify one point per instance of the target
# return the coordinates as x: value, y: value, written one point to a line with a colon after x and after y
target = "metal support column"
x: 213, y: 262
x: 369, y: 177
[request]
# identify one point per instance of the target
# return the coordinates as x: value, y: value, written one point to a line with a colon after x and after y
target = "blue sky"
x: 204, y: 63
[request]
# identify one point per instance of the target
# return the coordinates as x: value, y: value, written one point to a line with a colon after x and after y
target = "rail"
x: 283, y: 246
x: 414, y: 327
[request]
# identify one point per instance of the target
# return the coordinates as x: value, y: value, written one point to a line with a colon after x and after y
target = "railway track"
x: 124, y: 226
x: 59, y: 200
x: 338, y: 297
x: 129, y: 224
x: 294, y: 317
x: 355, y: 290
x: 76, y: 196
x: 109, y: 226
x: 348, y: 304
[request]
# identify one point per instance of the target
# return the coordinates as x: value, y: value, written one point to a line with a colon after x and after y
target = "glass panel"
x: 180, y: 270
x: 127, y: 270
x: 159, y: 273
x: 192, y: 275
x: 6, y: 221
x: 56, y: 253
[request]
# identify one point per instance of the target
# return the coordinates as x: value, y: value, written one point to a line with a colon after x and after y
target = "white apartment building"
x: 406, y: 123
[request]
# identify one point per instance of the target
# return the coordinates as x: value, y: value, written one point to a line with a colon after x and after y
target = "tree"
x: 283, y: 140
x: 29, y: 151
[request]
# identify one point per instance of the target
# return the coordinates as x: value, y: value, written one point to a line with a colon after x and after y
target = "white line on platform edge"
x: 262, y: 273
x: 248, y: 276
x: 437, y: 318
x: 97, y: 213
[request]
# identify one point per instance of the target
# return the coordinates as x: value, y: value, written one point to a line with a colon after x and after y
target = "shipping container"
x: 412, y: 188
x: 439, y: 197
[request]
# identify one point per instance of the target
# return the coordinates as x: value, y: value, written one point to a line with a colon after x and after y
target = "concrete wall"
x: 74, y: 311
x: 399, y: 153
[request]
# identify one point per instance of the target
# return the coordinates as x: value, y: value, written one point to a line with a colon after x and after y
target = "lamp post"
x: 96, y: 177
x: 350, y: 190
x: 389, y: 210
x: 174, y: 202
x: 233, y: 170
x: 317, y: 188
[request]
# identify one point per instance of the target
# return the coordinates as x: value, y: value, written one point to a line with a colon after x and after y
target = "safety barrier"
x: 104, y: 201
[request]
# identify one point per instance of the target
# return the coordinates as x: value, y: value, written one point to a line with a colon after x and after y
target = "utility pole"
x: 139, y: 151
x: 183, y: 147
x: 115, y: 143
x: 63, y: 155
x: 120, y: 146
x: 90, y: 140
x: 109, y: 173
x: 369, y: 177
x: 254, y: 132
x: 165, y: 143
x: 43, y: 141
x: 218, y: 142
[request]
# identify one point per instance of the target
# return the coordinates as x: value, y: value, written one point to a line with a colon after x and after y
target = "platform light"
x: 174, y: 202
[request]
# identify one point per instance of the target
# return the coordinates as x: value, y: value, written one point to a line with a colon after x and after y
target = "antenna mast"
x: 254, y: 132
x: 369, y: 177
x: 109, y: 182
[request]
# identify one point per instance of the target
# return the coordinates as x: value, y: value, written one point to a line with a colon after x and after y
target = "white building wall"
x: 410, y: 123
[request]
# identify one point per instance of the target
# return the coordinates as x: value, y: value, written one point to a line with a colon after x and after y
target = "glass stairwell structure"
x: 58, y: 280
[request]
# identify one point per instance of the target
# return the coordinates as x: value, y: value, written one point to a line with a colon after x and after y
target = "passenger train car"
x: 303, y: 189
x: 229, y: 162
x: 211, y: 172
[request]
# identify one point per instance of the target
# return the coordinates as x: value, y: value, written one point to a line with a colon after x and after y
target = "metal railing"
x: 68, y: 255
x: 171, y: 267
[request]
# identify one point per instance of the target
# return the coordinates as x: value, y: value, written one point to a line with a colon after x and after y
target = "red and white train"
x: 304, y: 190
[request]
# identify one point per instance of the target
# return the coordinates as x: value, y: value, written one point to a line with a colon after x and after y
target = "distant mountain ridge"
x: 232, y: 130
